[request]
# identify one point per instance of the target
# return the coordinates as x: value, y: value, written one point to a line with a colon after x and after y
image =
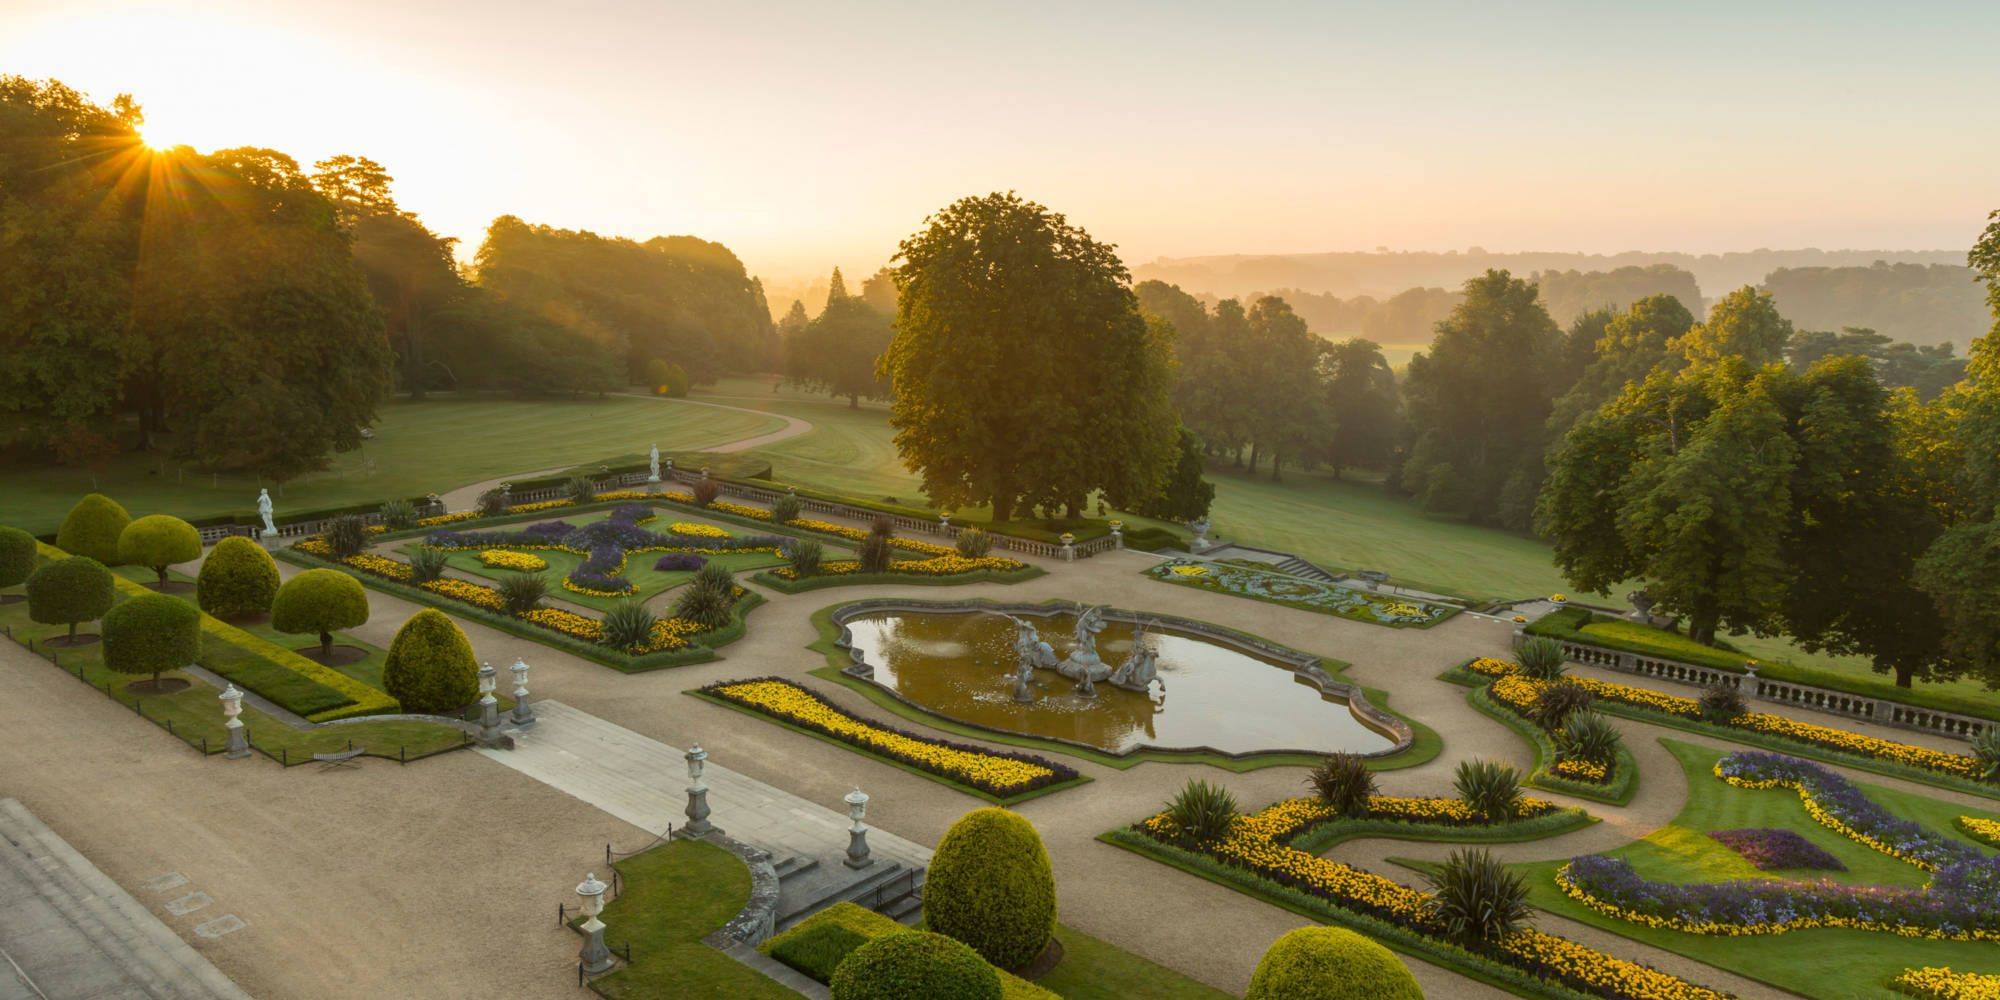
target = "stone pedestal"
x: 239, y: 741
x: 857, y: 849
x: 524, y: 714
x: 697, y: 813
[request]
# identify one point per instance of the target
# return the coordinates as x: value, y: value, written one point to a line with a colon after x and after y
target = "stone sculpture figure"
x: 1141, y: 667
x: 264, y: 511
x: 1083, y: 663
x: 653, y: 461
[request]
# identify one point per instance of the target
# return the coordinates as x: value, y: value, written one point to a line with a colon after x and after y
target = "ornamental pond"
x: 960, y: 663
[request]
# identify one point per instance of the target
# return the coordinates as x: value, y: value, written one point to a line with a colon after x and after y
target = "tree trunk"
x: 1253, y: 458
x: 1277, y: 463
x: 162, y: 570
x: 853, y: 402
x: 1904, y: 675
x: 72, y: 631
x: 326, y: 646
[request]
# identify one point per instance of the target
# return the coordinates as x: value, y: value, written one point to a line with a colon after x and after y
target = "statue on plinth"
x: 264, y: 510
x: 654, y: 462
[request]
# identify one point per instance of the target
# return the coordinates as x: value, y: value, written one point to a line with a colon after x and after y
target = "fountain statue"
x: 1083, y: 664
x: 1139, y: 671
x: 1141, y: 667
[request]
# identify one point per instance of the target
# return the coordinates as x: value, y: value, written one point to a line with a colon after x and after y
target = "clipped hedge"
x: 990, y: 886
x: 158, y: 541
x: 69, y: 591
x: 1329, y: 963
x: 431, y: 667
x: 91, y: 528
x: 17, y: 556
x: 238, y: 579
x: 914, y: 965
x: 320, y: 602
x: 818, y: 944
x: 151, y: 634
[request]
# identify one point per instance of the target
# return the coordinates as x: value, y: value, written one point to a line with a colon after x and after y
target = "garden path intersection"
x: 603, y: 767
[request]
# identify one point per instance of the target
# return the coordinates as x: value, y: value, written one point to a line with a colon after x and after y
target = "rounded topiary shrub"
x: 914, y: 965
x: 320, y: 602
x: 158, y: 541
x: 431, y: 669
x: 17, y: 557
x: 237, y: 580
x: 151, y: 634
x: 1328, y: 963
x: 92, y: 528
x: 70, y: 591
x: 990, y: 886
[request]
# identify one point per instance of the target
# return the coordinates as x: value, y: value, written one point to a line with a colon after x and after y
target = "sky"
x: 805, y: 135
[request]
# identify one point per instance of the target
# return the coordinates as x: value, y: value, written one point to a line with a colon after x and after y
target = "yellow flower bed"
x: 470, y: 593
x: 1190, y: 569
x: 589, y: 592
x: 387, y: 568
x: 738, y: 509
x: 697, y: 530
x: 441, y: 520
x: 994, y: 772
x: 670, y: 633
x: 1939, y: 983
x: 521, y: 561
x: 1985, y: 831
x: 946, y: 565
x: 567, y: 622
x: 1578, y: 769
x: 530, y: 508
x: 616, y: 495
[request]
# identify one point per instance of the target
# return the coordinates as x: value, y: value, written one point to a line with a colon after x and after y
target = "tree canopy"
x: 836, y: 352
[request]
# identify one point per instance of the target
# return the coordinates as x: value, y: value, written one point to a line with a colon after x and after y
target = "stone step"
x: 794, y: 865
x: 880, y: 885
x: 905, y: 909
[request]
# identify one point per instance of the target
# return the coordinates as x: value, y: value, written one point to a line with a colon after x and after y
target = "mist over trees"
x: 837, y: 351
x: 1569, y: 294
x: 1925, y: 305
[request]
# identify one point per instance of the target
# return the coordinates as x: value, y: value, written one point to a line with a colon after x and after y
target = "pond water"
x: 959, y: 664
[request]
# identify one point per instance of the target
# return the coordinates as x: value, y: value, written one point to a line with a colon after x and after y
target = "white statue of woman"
x: 655, y: 463
x: 264, y: 511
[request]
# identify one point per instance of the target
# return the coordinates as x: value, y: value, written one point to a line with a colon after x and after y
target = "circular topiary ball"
x: 431, y: 668
x: 70, y: 591
x: 319, y: 601
x: 151, y: 634
x: 238, y: 579
x: 990, y: 886
x: 1328, y: 963
x: 914, y: 965
x: 158, y: 541
x: 92, y: 528
x: 17, y: 557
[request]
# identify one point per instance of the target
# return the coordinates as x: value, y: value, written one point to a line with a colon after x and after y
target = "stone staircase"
x: 889, y: 887
x: 1299, y: 567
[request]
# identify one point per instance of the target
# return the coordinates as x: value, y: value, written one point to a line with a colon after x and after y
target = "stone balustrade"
x: 213, y: 533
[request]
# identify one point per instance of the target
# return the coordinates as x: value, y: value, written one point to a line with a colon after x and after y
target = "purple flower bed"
x: 550, y: 530
x: 600, y: 571
x: 1844, y: 801
x: 1773, y: 850
x: 631, y: 513
x: 674, y: 562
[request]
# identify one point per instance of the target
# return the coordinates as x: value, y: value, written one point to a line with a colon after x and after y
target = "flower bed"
x: 1521, y: 695
x: 1985, y: 831
x: 945, y: 565
x: 1936, y: 983
x: 605, y: 546
x: 840, y: 531
x: 519, y: 561
x: 995, y: 772
x: 1840, y: 805
x: 1777, y: 850
x: 1299, y: 592
x: 1258, y: 843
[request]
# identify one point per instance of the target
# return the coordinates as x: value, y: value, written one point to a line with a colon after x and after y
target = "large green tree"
x: 836, y: 352
x: 1359, y: 395
x: 1021, y: 369
x: 1285, y: 409
x: 1633, y: 343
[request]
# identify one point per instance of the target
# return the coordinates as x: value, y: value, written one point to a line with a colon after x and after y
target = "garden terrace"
x: 1320, y: 596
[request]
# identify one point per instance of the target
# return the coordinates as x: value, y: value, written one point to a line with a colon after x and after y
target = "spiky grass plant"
x: 785, y: 509
x: 398, y: 515
x: 522, y: 592
x: 1491, y: 788
x: 428, y: 563
x: 1721, y: 702
x: 805, y: 556
x: 1201, y: 810
x: 346, y: 536
x: 1540, y: 657
x: 1344, y: 782
x: 1589, y: 736
x: 1476, y: 898
x: 1558, y: 702
x: 973, y: 543
x: 628, y: 624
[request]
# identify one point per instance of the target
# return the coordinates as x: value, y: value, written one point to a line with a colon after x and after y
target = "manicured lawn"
x: 418, y: 448
x: 674, y: 894
x: 848, y: 450
x: 1092, y: 969
x: 1818, y: 963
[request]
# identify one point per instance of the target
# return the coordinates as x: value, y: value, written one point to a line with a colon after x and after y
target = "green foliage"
x: 1721, y: 702
x: 875, y: 553
x: 707, y: 600
x: 1202, y: 810
x: 427, y: 563
x: 1631, y: 345
x: 706, y: 491
x: 580, y: 489
x: 836, y: 351
x: 1929, y: 370
x: 997, y: 284
x: 1558, y: 702
x: 70, y: 591
x: 1987, y: 749
x: 1491, y: 788
x: 237, y: 580
x: 158, y: 541
x: 785, y: 509
x: 398, y: 515
x: 1589, y: 736
x: 1477, y: 899
x: 973, y: 543
x: 346, y: 535
x: 818, y: 944
x: 914, y: 965
x: 522, y: 592
x: 17, y: 556
x: 1540, y: 657
x: 151, y: 634
x: 431, y: 669
x: 805, y: 555
x: 93, y: 528
x: 1362, y: 405
x: 990, y: 886
x: 666, y: 378
x: 1745, y: 325
x: 628, y: 624
x: 1344, y: 782
x: 1330, y: 963
x: 321, y: 602
x: 1183, y: 495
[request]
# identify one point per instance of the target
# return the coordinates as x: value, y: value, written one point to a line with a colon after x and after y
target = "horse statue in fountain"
x: 1141, y: 667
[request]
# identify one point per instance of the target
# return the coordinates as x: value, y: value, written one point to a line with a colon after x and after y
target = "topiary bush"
x: 1329, y: 963
x: 158, y: 541
x: 92, y: 528
x: 1344, y: 782
x: 70, y: 591
x: 431, y: 669
x: 320, y: 602
x: 237, y: 580
x: 973, y: 543
x: 151, y: 634
x: 914, y: 965
x: 17, y: 557
x: 991, y: 887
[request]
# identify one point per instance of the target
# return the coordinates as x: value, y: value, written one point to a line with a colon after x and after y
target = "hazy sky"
x: 809, y: 134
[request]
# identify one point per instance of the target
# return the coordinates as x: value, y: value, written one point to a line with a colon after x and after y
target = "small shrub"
x: 1329, y: 963
x: 1987, y: 749
x: 705, y: 492
x: 1201, y: 810
x: 1491, y: 788
x: 990, y: 886
x: 346, y: 535
x: 1589, y: 736
x: 158, y: 541
x: 785, y: 509
x: 1559, y: 701
x: 151, y: 634
x: 805, y: 556
x: 1721, y: 702
x: 17, y: 556
x: 70, y: 591
x: 237, y: 580
x: 818, y: 944
x: 716, y: 578
x: 705, y: 606
x: 580, y: 489
x: 875, y: 554
x: 1476, y: 898
x: 973, y: 543
x: 492, y: 503
x: 427, y: 563
x: 431, y: 669
x: 91, y: 528
x: 1344, y: 782
x: 320, y: 602
x: 1540, y: 657
x: 882, y: 525
x: 914, y: 965
x: 628, y: 624
x: 522, y: 592
x: 398, y: 515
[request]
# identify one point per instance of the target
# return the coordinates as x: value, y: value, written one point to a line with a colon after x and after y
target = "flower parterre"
x: 995, y: 772
x: 1941, y: 983
x: 1257, y: 843
x: 1294, y: 591
x: 1520, y: 695
x: 1839, y: 805
x: 521, y: 561
x: 1777, y: 850
x: 1985, y: 831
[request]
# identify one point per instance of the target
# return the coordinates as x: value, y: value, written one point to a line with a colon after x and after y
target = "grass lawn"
x: 367, y: 670
x: 1818, y: 963
x: 1093, y: 969
x: 674, y: 894
x: 432, y: 446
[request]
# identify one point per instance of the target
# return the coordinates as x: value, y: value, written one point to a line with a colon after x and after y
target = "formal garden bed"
x: 998, y: 776
x: 1317, y: 596
x: 1612, y: 779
